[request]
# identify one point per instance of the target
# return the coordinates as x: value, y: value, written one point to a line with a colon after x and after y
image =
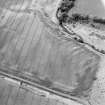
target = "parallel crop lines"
x: 28, y: 42
x: 9, y: 23
x: 21, y: 40
x: 36, y: 31
x: 17, y: 39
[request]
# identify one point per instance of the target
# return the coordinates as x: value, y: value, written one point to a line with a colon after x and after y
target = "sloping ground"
x: 28, y: 47
x: 97, y: 96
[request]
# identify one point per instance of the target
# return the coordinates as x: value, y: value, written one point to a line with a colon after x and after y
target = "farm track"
x: 27, y: 83
x: 14, y: 94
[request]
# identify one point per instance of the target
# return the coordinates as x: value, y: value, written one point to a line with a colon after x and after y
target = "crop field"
x: 27, y: 46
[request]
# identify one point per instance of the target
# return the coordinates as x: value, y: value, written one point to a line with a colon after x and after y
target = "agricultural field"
x: 30, y: 45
